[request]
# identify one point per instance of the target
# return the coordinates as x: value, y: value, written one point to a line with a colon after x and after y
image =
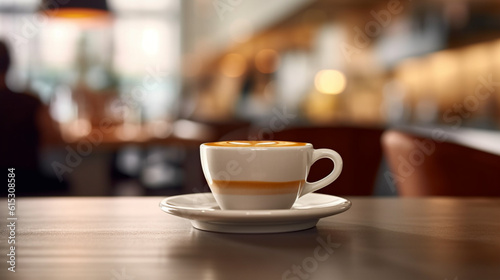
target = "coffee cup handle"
x: 319, y: 154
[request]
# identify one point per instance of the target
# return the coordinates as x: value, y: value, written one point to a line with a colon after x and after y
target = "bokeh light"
x: 330, y: 81
x: 233, y: 65
x: 267, y: 61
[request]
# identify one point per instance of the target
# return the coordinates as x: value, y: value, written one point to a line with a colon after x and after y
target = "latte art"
x: 256, y: 144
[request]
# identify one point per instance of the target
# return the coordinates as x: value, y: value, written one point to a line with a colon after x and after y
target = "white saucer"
x: 205, y: 214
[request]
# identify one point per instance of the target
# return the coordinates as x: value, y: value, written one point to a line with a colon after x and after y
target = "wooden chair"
x: 423, y: 166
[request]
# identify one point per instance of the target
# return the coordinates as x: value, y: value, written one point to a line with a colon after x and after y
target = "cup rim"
x: 307, y: 145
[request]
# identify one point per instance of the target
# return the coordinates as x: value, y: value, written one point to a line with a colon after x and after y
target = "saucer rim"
x: 260, y: 216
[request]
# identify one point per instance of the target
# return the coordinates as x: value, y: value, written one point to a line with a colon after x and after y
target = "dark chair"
x: 423, y: 166
x: 360, y: 150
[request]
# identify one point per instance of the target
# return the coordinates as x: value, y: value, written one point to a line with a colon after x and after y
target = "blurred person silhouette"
x: 24, y: 124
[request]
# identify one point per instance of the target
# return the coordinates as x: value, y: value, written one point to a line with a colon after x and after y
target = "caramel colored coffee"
x: 256, y: 144
x: 256, y: 187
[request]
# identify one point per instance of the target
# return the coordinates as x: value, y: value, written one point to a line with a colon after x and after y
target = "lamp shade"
x: 87, y: 14
x: 75, y: 4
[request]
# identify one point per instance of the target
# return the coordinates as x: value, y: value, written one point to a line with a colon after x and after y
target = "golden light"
x: 78, y: 13
x: 330, y: 81
x: 83, y: 17
x: 233, y: 65
x: 76, y: 129
x: 410, y: 72
x: 321, y: 108
x: 267, y: 61
x: 128, y: 132
x: 442, y: 75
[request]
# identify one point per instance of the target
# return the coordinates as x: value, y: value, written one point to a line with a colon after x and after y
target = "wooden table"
x: 131, y: 238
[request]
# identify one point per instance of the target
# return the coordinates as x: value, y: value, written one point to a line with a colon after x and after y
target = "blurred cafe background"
x: 117, y: 95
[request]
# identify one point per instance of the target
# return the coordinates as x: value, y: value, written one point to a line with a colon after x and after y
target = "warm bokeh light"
x: 267, y: 61
x: 83, y: 17
x: 321, y: 108
x: 160, y: 129
x: 410, y: 74
x: 128, y: 132
x: 233, y: 65
x: 75, y: 130
x: 442, y: 77
x: 439, y: 80
x: 186, y: 129
x: 330, y: 81
x: 78, y: 13
x: 81, y: 127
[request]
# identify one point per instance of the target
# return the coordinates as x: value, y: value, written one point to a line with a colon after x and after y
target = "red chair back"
x: 360, y: 150
x: 422, y: 166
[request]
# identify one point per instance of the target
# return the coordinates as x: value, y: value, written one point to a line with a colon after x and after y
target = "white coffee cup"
x: 251, y: 175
